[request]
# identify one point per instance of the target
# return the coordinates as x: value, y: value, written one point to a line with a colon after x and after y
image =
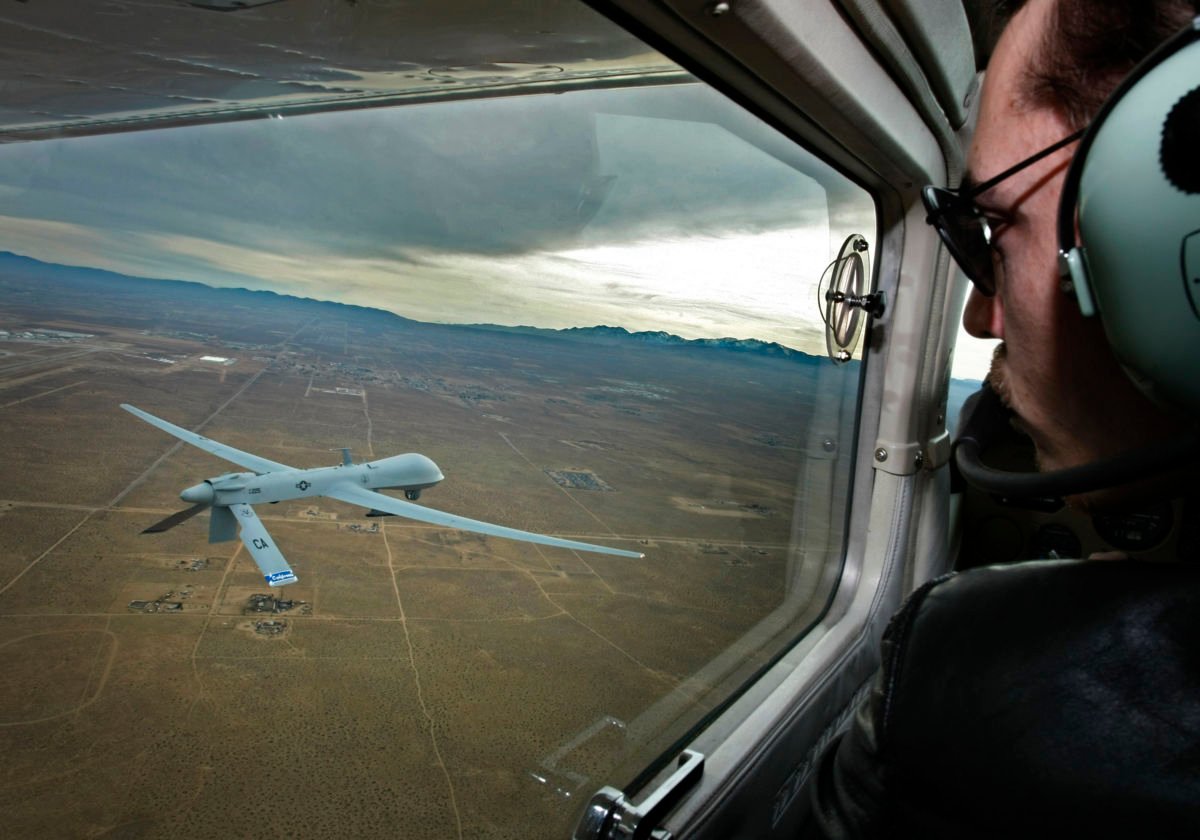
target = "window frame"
x: 811, y: 75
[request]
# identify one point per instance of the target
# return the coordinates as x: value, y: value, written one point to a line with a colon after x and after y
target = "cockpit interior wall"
x: 935, y: 33
x: 928, y: 56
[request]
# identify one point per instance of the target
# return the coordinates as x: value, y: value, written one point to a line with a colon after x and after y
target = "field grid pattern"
x: 418, y: 681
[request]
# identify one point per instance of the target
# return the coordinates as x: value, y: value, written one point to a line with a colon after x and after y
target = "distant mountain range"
x: 95, y: 280
x: 619, y: 335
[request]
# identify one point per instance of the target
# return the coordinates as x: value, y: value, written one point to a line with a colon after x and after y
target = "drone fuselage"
x: 411, y: 472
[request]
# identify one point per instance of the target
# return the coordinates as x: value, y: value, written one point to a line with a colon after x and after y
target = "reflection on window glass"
x: 595, y: 312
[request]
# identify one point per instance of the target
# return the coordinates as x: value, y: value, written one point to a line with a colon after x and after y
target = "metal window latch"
x: 873, y: 303
x: 610, y: 816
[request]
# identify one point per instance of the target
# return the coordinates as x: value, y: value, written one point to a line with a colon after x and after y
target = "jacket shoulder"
x: 1065, y: 687
x: 1029, y: 700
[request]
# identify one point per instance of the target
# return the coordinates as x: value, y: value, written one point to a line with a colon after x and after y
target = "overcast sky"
x: 653, y: 208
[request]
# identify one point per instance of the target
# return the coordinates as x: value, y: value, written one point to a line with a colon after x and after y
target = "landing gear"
x: 412, y: 495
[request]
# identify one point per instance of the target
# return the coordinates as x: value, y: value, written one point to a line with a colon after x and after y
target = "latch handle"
x: 610, y: 816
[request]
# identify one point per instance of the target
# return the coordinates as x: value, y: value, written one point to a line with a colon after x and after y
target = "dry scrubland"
x: 424, y: 677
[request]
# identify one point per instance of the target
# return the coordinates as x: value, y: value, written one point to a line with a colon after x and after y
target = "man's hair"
x: 1091, y: 45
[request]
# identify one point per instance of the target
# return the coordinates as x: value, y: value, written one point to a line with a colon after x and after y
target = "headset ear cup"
x: 1138, y: 211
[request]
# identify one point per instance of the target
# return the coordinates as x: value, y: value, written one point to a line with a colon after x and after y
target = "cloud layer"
x: 652, y: 208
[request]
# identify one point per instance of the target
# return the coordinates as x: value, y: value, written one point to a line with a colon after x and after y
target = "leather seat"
x: 1057, y: 698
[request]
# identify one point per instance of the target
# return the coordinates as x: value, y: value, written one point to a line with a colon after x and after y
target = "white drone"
x: 231, y: 496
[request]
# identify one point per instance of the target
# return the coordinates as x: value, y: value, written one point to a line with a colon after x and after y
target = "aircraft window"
x: 595, y: 311
x: 969, y: 367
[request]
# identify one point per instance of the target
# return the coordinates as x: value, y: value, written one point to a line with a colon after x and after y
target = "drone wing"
x: 387, y: 504
x: 258, y: 542
x: 237, y: 456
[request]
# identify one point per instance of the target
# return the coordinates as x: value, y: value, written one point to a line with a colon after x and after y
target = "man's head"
x: 1090, y: 46
x: 1054, y: 65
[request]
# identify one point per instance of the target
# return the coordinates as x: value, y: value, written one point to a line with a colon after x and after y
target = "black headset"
x: 1133, y: 189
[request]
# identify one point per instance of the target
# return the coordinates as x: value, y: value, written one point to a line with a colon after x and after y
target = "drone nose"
x: 434, y: 473
x: 199, y: 494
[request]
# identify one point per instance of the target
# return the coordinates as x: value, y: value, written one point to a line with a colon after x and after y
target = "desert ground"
x: 417, y: 682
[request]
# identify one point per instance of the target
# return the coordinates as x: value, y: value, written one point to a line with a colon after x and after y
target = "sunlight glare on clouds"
x: 755, y: 285
x: 743, y: 286
x: 759, y: 285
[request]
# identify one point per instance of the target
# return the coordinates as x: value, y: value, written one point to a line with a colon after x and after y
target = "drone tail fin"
x: 223, y: 526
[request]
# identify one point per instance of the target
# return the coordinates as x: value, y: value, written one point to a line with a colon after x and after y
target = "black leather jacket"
x: 1055, y: 698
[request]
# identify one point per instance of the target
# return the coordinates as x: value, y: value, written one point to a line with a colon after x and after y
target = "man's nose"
x: 983, y: 317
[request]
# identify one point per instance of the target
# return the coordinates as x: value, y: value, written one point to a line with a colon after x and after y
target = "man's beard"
x: 997, y: 376
x: 997, y: 379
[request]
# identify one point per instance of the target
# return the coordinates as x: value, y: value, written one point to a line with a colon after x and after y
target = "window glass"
x: 596, y: 312
x: 969, y: 367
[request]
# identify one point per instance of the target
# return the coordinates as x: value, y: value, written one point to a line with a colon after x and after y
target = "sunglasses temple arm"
x: 1029, y: 161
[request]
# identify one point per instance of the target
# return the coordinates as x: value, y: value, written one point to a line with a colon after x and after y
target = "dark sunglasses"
x: 963, y: 226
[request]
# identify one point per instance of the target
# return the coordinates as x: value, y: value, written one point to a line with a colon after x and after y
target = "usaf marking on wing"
x: 228, y: 497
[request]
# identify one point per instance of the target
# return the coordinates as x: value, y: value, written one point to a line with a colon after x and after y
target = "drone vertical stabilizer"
x: 222, y: 527
x: 258, y: 542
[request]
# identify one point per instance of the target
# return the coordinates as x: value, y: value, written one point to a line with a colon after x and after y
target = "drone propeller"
x: 175, y: 519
